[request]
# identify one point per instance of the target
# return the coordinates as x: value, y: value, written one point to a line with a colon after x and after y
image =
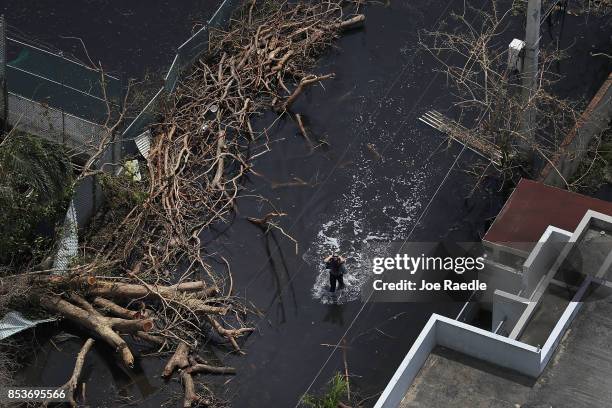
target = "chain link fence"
x: 52, y: 124
x: 64, y: 101
x: 63, y: 84
x: 186, y: 54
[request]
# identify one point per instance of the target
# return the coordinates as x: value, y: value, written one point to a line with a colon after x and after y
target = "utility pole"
x: 530, y: 74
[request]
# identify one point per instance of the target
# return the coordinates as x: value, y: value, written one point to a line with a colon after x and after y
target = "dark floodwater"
x: 382, y: 85
x: 128, y: 37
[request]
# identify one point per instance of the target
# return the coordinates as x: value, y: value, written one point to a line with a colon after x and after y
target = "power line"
x: 371, y: 293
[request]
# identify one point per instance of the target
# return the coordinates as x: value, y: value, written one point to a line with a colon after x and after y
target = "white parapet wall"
x: 490, y: 347
x: 507, y: 309
x: 543, y: 256
x: 590, y: 218
x: 477, y: 343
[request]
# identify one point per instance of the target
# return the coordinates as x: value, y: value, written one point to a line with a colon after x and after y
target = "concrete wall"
x: 592, y: 122
x: 498, y: 276
x: 477, y: 343
x: 543, y: 257
x: 463, y: 338
x: 557, y: 333
x: 410, y: 366
x: 486, y: 346
x: 507, y: 309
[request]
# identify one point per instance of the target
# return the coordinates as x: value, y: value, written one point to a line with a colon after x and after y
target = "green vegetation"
x: 336, y: 390
x: 121, y: 192
x: 35, y: 188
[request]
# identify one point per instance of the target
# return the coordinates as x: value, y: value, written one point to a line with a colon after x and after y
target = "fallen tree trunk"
x: 191, y: 396
x: 115, y: 309
x: 184, y: 294
x: 104, y: 327
x: 160, y: 341
x: 188, y: 365
x: 198, y: 305
x: 72, y: 280
x: 122, y: 290
x: 351, y: 22
x: 230, y: 334
x: 135, y: 291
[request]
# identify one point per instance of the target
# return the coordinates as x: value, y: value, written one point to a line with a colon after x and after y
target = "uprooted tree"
x: 142, y: 269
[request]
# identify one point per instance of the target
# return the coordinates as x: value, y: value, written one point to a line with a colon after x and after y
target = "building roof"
x: 532, y: 207
x: 579, y: 375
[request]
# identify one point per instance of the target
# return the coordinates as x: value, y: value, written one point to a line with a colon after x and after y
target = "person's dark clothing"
x: 336, y: 271
x: 333, y: 280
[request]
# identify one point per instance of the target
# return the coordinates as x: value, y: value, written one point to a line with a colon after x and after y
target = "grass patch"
x: 336, y: 390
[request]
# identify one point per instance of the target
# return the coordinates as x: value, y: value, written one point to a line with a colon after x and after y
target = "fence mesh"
x: 3, y: 91
x: 187, y: 53
x: 222, y: 17
x: 145, y: 117
x: 52, y: 124
x: 61, y: 100
x: 43, y: 76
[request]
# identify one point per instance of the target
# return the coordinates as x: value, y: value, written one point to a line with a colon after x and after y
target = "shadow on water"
x: 370, y: 181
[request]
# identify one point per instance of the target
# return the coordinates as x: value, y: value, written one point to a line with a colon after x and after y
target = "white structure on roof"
x: 538, y: 272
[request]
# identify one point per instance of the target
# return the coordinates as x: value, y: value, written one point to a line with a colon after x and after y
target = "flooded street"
x: 371, y: 182
x: 375, y: 174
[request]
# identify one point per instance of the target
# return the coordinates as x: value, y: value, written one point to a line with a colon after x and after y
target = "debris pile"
x: 144, y: 271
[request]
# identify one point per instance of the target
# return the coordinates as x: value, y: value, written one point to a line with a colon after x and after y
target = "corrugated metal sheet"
x: 143, y: 143
x: 13, y: 323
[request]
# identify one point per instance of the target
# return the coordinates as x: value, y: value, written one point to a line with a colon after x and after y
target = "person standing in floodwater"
x: 335, y: 264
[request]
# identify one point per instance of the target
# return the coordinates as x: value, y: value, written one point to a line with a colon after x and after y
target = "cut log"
x: 116, y: 310
x: 65, y: 280
x: 157, y: 340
